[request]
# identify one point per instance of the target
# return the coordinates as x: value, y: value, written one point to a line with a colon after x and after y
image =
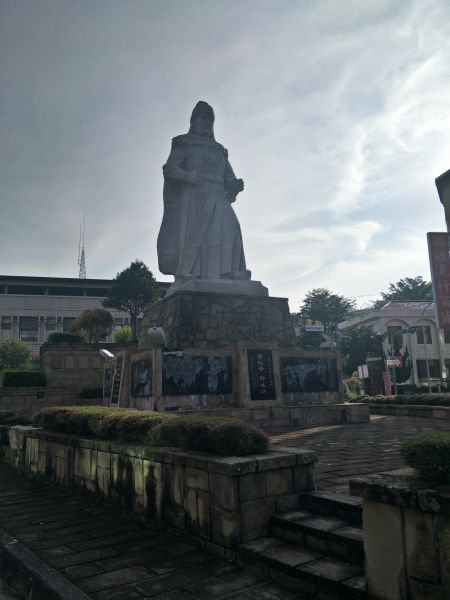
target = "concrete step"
x: 333, y: 504
x: 333, y: 537
x: 304, y: 570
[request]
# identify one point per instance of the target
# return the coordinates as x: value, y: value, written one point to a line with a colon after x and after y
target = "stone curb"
x: 45, y: 582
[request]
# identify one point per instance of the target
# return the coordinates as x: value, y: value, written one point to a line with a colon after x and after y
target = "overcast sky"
x: 335, y: 113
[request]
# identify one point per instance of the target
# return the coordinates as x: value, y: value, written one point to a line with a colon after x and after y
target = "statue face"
x: 203, y: 125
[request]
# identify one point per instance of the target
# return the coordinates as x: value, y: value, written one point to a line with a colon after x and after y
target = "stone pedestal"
x: 217, y: 320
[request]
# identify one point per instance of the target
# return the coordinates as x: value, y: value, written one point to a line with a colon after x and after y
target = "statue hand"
x: 238, y: 185
x: 195, y: 178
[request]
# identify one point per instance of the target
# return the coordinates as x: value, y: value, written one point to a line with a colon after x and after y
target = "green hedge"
x: 218, y: 435
x: 22, y: 378
x: 7, y: 417
x: 58, y: 337
x: 414, y: 399
x: 429, y: 454
x: 91, y: 392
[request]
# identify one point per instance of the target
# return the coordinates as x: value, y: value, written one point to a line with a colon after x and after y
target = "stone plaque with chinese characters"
x: 261, y: 376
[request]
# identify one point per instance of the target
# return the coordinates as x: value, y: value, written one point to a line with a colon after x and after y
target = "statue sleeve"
x: 173, y: 168
x: 229, y: 179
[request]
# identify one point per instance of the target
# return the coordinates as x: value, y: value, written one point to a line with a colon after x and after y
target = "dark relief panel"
x: 141, y: 378
x: 309, y: 374
x: 260, y: 373
x: 192, y: 375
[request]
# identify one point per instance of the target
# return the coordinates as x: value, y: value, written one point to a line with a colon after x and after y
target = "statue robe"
x: 200, y: 235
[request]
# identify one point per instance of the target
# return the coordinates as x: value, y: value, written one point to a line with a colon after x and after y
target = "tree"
x: 412, y: 289
x: 132, y: 290
x: 123, y: 335
x: 356, y: 344
x: 322, y: 305
x: 93, y: 324
x: 14, y: 354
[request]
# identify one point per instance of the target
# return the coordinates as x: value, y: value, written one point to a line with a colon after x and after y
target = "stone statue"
x: 200, y: 237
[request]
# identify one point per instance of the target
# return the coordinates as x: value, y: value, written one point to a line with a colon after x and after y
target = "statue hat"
x: 202, y: 108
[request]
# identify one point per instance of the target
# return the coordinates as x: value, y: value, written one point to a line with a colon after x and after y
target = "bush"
x: 7, y: 417
x: 414, y: 399
x: 14, y: 354
x: 58, y: 337
x: 91, y: 392
x: 123, y: 335
x: 22, y: 378
x: 93, y: 324
x: 218, y: 435
x: 429, y: 454
x: 100, y: 421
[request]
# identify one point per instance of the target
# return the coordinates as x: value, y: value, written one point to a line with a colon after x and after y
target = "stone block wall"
x: 27, y: 401
x: 203, y: 320
x: 406, y: 525
x: 74, y: 366
x: 223, y: 500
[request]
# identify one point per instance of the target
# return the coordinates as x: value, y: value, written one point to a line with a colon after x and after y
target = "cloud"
x: 335, y: 114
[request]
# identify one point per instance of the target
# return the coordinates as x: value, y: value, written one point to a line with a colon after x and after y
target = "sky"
x: 335, y: 113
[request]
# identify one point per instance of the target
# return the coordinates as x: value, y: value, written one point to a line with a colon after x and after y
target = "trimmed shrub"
x: 100, y: 421
x: 91, y: 392
x: 429, y: 454
x: 58, y: 337
x: 414, y: 399
x: 218, y: 435
x: 22, y: 378
x: 7, y: 417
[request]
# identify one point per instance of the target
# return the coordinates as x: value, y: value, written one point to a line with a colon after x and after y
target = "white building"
x: 33, y: 307
x: 427, y: 345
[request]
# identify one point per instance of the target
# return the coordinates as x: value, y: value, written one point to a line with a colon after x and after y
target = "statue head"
x: 202, y: 120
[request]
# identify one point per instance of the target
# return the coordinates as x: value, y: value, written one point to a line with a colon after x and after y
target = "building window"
x: 423, y: 334
x: 6, y: 323
x: 28, y: 329
x: 50, y: 324
x: 118, y: 323
x: 447, y: 336
x: 433, y: 366
x: 67, y: 322
x: 394, y: 337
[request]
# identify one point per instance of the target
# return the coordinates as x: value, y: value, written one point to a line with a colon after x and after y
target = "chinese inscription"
x: 261, y: 376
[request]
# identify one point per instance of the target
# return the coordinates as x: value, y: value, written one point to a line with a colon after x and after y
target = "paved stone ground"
x: 111, y: 558
x: 345, y: 451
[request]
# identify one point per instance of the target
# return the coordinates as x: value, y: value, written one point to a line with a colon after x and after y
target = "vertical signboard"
x: 261, y: 376
x: 440, y: 276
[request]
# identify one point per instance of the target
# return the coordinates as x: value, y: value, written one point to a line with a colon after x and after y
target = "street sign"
x: 316, y: 327
x: 394, y: 362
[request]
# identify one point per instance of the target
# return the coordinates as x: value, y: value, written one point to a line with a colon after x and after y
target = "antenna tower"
x: 81, y: 260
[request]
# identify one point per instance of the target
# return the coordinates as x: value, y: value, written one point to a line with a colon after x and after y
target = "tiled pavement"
x: 346, y: 451
x: 111, y: 558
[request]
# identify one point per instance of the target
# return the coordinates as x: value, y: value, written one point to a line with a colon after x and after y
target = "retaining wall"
x: 223, y: 500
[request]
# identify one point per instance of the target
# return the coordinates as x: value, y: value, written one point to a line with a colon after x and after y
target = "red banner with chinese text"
x: 440, y: 276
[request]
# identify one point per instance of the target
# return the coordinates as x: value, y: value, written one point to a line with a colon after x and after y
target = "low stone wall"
x: 402, y: 410
x: 27, y: 401
x: 295, y: 416
x: 74, y: 366
x: 406, y: 525
x: 223, y: 500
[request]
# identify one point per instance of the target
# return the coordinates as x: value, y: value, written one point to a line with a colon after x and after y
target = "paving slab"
x: 347, y: 451
x: 90, y: 552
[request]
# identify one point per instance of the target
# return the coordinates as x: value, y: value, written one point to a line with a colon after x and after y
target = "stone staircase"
x: 317, y: 550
